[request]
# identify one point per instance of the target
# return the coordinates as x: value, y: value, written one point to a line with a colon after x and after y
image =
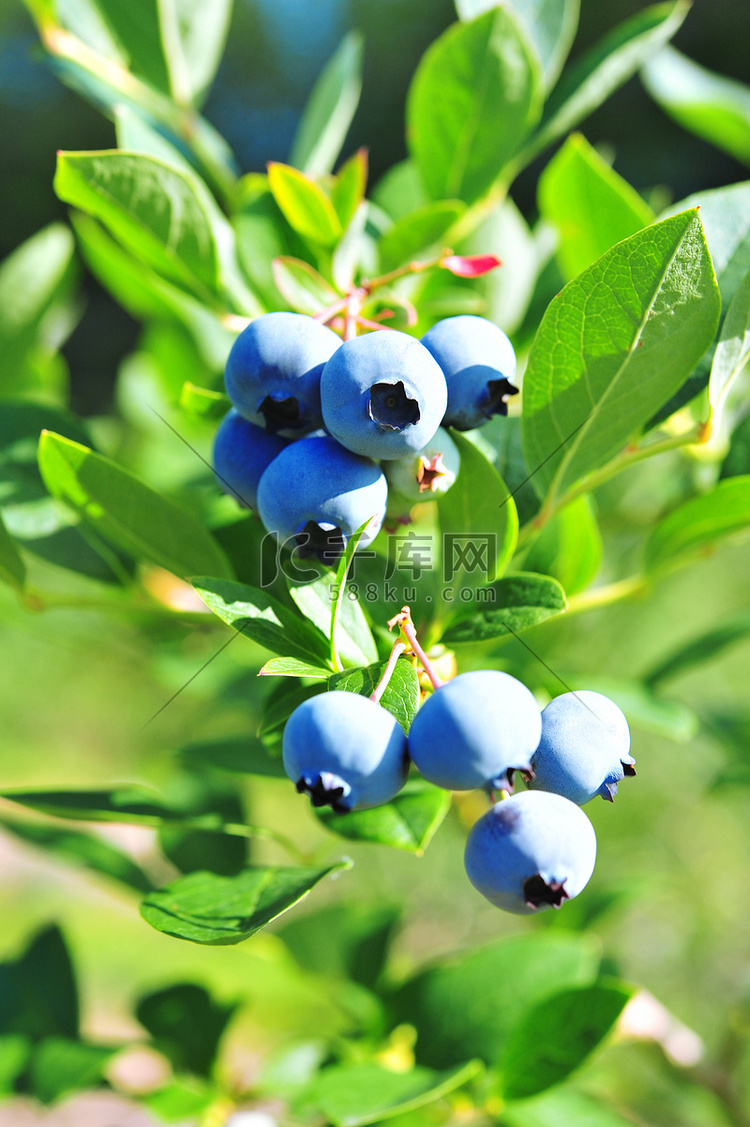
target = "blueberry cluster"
x: 379, y: 398
x: 532, y: 850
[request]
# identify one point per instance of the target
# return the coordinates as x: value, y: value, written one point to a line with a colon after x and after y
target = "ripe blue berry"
x: 427, y: 474
x: 345, y: 751
x: 584, y: 749
x: 475, y: 731
x: 531, y: 851
x: 318, y: 493
x: 382, y: 395
x: 241, y: 453
x: 479, y: 363
x: 273, y: 372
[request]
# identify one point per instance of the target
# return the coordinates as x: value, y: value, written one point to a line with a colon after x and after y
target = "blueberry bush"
x: 416, y: 522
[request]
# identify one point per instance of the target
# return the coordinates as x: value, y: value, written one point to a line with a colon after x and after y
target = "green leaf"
x: 182, y: 1098
x: 400, y: 190
x: 304, y: 205
x: 281, y: 702
x: 604, y: 68
x: 136, y: 134
x: 348, y: 187
x: 591, y: 207
x: 32, y: 279
x: 409, y: 821
x: 291, y: 667
x: 345, y: 940
x: 120, y: 804
x: 354, y: 639
x: 507, y: 606
x: 557, y: 1035
x: 158, y: 212
x: 725, y: 214
x: 352, y: 249
x: 203, y: 402
x: 12, y: 567
x: 465, y: 1008
x: 561, y: 1109
x: 193, y: 35
x: 305, y: 290
x: 81, y: 848
x: 551, y: 24
x: 338, y: 598
x: 135, y: 25
x: 330, y: 109
x: 731, y: 357
x: 710, y: 105
x: 209, y: 909
x: 418, y: 232
x: 241, y: 754
x: 694, y: 527
x: 38, y: 992
x: 620, y: 339
x: 505, y: 293
x: 59, y: 1065
x: 264, y: 620
x: 478, y: 521
x: 355, y: 1094
x: 475, y: 95
x: 401, y: 697
x: 698, y: 650
x: 186, y: 1025
x: 126, y: 511
x: 569, y: 547
x: 14, y: 1055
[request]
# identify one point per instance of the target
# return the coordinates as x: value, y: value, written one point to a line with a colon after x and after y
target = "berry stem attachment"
x: 403, y: 618
x: 399, y: 648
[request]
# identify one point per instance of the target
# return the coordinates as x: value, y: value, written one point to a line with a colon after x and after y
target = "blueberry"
x: 382, y: 395
x: 475, y: 731
x: 273, y: 372
x: 241, y: 453
x: 345, y: 751
x: 531, y: 851
x: 479, y: 364
x: 427, y: 474
x: 318, y: 493
x: 584, y: 749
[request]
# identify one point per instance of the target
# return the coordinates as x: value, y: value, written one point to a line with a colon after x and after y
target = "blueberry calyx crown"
x: 497, y: 397
x: 325, y: 542
x: 608, y: 789
x: 391, y: 408
x: 280, y: 414
x: 538, y: 891
x: 429, y: 473
x: 325, y: 789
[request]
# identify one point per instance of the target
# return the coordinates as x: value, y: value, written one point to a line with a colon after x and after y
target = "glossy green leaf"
x: 478, y: 521
x: 264, y: 620
x: 136, y: 134
x: 135, y: 25
x: 305, y: 206
x: 209, y: 909
x: 186, y: 1025
x: 330, y: 109
x: 348, y: 187
x: 418, y: 233
x: 126, y: 511
x: 12, y: 567
x: 401, y: 697
x: 278, y: 706
x: 731, y: 356
x: 32, y: 279
x: 710, y: 105
x: 193, y: 34
x: 292, y: 667
x: 591, y: 207
x: 38, y: 992
x: 507, y: 606
x: 240, y: 754
x: 562, y: 1108
x: 551, y: 24
x: 569, y: 547
x: 466, y: 1007
x: 158, y: 212
x: 463, y: 132
x: 613, y: 346
x: 409, y: 821
x: 59, y: 1065
x: 305, y: 290
x: 355, y: 1094
x: 557, y: 1036
x: 354, y: 639
x: 695, y: 526
x: 604, y: 68
x: 82, y: 849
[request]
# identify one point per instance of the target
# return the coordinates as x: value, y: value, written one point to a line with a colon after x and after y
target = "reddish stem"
x: 382, y: 684
x: 403, y: 618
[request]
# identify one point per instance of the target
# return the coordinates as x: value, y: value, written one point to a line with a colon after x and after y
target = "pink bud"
x: 471, y: 265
